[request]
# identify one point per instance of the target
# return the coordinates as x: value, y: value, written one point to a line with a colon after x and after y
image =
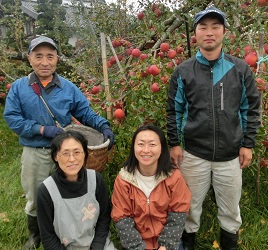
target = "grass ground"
x: 13, y: 229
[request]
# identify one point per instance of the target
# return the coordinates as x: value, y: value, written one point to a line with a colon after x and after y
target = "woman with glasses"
x: 73, y: 206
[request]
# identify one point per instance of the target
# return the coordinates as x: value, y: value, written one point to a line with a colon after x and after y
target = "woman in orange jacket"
x: 150, y: 197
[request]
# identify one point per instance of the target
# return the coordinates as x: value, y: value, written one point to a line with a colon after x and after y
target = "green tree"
x: 51, y: 21
x: 13, y: 19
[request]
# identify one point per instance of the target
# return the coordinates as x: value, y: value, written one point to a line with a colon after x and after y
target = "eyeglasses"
x: 76, y: 154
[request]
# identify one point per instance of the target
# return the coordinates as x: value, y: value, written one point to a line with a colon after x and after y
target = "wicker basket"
x: 97, y: 149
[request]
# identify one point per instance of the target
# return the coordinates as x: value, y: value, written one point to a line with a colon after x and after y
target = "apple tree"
x: 159, y: 37
x: 144, y: 47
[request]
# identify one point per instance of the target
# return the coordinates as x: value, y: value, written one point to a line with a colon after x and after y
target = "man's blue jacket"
x: 25, y: 112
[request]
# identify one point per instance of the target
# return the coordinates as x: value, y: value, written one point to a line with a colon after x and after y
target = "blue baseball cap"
x: 213, y: 11
x: 39, y: 40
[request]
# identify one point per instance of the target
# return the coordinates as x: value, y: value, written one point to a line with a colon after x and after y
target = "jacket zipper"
x: 213, y: 113
x: 148, y: 203
x: 221, y: 91
x: 148, y: 199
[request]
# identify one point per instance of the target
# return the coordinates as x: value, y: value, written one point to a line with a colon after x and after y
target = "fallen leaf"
x: 215, y: 244
x: 263, y: 221
x: 3, y: 217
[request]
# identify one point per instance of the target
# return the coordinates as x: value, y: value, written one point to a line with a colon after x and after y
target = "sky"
x: 170, y: 3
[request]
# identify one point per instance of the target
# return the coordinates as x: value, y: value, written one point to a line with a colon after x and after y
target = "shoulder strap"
x: 37, y: 90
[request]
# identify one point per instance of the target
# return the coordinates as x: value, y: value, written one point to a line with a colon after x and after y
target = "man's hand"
x: 245, y: 157
x: 108, y: 134
x: 50, y: 131
x: 176, y: 155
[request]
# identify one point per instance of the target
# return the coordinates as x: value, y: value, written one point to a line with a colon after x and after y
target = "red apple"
x: 237, y: 51
x: 144, y: 74
x: 112, y: 60
x: 154, y: 6
x: 251, y: 59
x: 247, y: 49
x: 170, y: 65
x: 143, y: 56
x: 262, y: 3
x: 155, y: 87
x: 119, y: 114
x: 179, y: 50
x: 129, y: 51
x: 171, y: 54
x: 8, y: 86
x: 120, y: 57
x: 154, y: 70
x: 2, y: 78
x: 260, y: 81
x: 109, y: 64
x: 232, y: 38
x: 164, y: 47
x: 161, y: 54
x: 136, y: 53
x: 2, y: 95
x: 119, y: 104
x: 125, y: 43
x: 116, y: 43
x: 95, y: 89
x: 179, y: 60
x: 193, y: 39
x: 261, y: 84
x: 164, y: 79
x: 83, y: 85
x: 265, y: 48
x: 147, y: 70
x: 157, y: 12
x: 264, y: 162
x: 140, y: 15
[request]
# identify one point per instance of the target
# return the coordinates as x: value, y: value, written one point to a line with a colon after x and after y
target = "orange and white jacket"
x: 148, y: 223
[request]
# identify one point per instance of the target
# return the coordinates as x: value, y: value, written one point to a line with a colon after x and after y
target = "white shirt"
x: 146, y: 183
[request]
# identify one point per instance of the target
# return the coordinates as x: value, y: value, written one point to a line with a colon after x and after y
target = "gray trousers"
x: 226, y: 179
x: 37, y: 165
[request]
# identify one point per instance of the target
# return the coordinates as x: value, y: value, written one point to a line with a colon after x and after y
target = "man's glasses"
x: 76, y: 154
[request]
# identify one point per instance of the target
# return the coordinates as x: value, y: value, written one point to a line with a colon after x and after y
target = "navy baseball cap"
x: 39, y: 40
x: 213, y: 11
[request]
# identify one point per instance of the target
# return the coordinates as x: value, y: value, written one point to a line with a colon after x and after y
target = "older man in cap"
x: 212, y: 120
x: 37, y: 107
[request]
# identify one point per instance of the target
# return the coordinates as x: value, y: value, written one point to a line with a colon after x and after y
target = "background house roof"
x: 29, y: 9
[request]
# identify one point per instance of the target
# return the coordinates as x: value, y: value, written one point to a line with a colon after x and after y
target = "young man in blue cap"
x: 212, y: 121
x: 27, y: 115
